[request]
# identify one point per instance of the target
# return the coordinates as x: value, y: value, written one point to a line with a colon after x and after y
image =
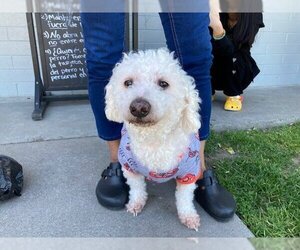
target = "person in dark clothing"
x: 233, y: 69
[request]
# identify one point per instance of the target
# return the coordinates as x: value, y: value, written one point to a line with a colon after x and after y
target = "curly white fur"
x: 164, y: 133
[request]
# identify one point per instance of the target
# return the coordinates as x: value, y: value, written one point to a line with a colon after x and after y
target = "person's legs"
x: 202, y: 155
x: 193, y: 49
x: 231, y: 85
x: 104, y: 42
x: 225, y: 77
x: 113, y: 147
x: 187, y: 34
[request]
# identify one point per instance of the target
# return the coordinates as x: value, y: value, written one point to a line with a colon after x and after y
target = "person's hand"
x: 215, y: 22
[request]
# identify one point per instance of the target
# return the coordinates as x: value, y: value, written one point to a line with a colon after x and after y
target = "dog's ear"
x: 112, y: 111
x: 190, y: 116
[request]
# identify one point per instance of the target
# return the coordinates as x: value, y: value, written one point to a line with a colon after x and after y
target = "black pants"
x: 233, y: 74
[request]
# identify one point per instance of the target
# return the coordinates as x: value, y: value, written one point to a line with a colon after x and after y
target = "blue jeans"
x: 186, y: 33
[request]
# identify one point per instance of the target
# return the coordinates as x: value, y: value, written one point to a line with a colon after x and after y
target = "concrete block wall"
x: 16, y: 70
x: 151, y: 34
x: 276, y: 50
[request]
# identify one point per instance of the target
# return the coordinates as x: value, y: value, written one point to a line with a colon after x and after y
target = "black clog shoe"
x: 112, y: 191
x: 214, y: 198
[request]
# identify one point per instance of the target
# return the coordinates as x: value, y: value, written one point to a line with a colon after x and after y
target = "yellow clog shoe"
x: 234, y: 103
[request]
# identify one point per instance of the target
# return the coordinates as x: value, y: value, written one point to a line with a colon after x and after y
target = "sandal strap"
x: 208, y: 180
x: 111, y: 171
x: 234, y: 98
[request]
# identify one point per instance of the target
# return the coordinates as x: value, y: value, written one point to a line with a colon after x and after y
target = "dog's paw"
x: 135, y: 207
x: 192, y: 221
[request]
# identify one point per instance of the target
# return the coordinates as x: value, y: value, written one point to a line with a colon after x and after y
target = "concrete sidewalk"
x: 64, y: 120
x: 59, y: 198
x: 63, y: 159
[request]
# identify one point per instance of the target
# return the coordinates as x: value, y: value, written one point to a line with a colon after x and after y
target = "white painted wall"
x: 16, y: 71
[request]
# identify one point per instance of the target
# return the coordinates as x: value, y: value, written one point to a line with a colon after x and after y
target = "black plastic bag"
x: 11, y: 178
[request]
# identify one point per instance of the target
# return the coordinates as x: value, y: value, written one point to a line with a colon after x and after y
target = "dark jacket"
x: 233, y: 67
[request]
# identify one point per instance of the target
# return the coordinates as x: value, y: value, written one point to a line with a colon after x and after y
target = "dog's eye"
x: 163, y: 84
x: 128, y: 83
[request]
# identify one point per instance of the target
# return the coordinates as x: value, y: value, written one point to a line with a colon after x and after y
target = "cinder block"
x: 8, y: 90
x: 154, y: 45
x: 152, y: 36
x: 18, y: 33
x: 293, y: 38
x: 13, y: 48
x: 25, y: 89
x: 268, y: 59
x: 16, y: 75
x: 293, y: 79
x: 267, y: 80
x: 3, y: 34
x: 283, y: 49
x: 153, y: 23
x: 295, y: 17
x: 272, y: 37
x: 141, y: 46
x: 6, y: 62
x: 259, y: 48
x: 142, y: 21
x: 291, y: 59
x: 22, y: 62
x: 279, y: 69
x: 284, y: 26
x: 13, y: 19
x: 268, y: 16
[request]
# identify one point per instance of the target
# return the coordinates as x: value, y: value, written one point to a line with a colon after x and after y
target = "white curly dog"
x: 157, y: 102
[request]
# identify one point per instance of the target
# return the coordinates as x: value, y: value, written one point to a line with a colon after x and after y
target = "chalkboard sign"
x: 58, y: 53
x: 62, y: 51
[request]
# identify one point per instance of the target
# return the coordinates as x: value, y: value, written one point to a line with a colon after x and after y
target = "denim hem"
x: 109, y: 138
x: 204, y: 138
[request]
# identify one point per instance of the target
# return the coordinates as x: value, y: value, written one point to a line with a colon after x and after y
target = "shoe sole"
x: 220, y: 219
x: 111, y: 207
x: 217, y: 218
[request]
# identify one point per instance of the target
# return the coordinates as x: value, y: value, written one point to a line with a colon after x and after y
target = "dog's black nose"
x: 140, y: 108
